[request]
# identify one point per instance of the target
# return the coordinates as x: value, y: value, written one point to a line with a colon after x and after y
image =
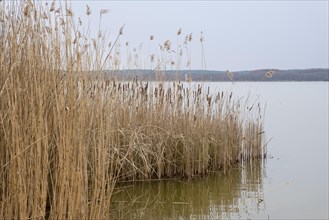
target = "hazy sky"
x: 239, y: 35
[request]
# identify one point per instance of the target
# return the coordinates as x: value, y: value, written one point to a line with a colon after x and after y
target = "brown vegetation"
x: 66, y: 136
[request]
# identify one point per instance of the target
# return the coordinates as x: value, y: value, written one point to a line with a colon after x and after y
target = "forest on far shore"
x: 212, y: 75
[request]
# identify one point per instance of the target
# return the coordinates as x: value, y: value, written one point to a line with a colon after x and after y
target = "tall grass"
x: 67, y: 136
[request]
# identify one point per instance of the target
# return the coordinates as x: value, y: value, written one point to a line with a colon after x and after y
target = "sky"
x: 238, y: 35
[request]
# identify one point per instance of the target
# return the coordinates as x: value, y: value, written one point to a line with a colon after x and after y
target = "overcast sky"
x: 239, y: 35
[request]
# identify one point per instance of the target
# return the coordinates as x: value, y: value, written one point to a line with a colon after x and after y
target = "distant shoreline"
x: 261, y: 75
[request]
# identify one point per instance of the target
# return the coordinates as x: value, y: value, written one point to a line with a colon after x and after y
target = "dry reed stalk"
x: 55, y: 159
x: 67, y: 135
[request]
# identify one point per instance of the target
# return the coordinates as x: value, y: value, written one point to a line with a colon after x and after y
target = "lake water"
x: 291, y: 184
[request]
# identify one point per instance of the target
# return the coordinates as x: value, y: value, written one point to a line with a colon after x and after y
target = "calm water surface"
x: 291, y: 184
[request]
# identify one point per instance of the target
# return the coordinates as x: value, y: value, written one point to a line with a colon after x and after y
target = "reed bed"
x: 67, y: 136
x: 179, y: 129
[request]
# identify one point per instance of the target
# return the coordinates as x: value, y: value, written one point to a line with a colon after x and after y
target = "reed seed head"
x: 104, y: 11
x: 152, y: 57
x: 269, y: 74
x: 88, y: 11
x: 229, y: 75
x: 52, y: 6
x: 201, y: 37
x: 69, y: 12
x: 179, y: 31
x: 121, y: 30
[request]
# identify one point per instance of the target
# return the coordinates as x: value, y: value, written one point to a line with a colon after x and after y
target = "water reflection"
x: 239, y: 194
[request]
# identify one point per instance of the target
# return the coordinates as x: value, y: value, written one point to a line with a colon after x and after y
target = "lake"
x: 291, y: 183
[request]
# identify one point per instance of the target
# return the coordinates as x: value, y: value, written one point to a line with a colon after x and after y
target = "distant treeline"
x: 210, y: 75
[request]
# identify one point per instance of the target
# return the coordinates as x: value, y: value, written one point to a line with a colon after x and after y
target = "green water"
x: 210, y: 197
